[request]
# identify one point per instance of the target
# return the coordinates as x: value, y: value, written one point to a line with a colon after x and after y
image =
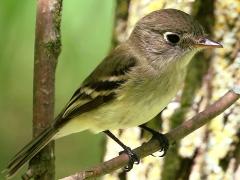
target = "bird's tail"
x: 29, y: 151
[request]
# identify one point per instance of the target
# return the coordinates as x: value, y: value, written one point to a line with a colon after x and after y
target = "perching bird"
x: 131, y: 85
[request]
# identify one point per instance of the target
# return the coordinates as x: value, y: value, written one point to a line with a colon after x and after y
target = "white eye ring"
x: 171, y: 37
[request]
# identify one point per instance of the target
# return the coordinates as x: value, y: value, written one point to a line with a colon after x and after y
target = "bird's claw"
x: 133, y: 158
x: 163, y: 142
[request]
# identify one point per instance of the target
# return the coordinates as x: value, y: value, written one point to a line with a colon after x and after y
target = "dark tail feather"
x: 29, y: 151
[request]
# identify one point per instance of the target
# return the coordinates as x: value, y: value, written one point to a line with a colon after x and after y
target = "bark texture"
x: 47, y: 50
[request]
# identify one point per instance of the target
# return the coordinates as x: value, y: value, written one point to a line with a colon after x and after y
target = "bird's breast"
x: 145, y: 100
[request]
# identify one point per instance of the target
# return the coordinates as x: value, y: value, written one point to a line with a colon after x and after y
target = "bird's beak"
x: 207, y: 43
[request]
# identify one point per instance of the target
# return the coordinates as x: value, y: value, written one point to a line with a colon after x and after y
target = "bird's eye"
x: 171, y: 37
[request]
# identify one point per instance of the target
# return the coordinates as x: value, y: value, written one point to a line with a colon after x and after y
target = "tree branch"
x: 47, y: 50
x: 153, y: 145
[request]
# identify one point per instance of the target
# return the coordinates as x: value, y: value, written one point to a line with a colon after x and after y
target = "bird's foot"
x: 133, y: 158
x: 163, y: 141
x: 160, y: 137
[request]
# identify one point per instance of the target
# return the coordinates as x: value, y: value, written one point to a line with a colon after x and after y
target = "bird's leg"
x: 133, y: 157
x: 160, y: 137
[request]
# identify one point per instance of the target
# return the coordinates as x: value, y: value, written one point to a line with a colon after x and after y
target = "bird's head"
x: 170, y: 34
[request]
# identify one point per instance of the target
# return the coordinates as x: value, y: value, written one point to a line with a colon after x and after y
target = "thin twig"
x: 153, y: 145
x: 47, y: 50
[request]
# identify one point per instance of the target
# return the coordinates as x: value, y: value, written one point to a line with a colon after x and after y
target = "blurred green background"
x: 86, y: 37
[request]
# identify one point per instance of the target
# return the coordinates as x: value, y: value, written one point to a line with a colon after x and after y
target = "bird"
x: 131, y: 85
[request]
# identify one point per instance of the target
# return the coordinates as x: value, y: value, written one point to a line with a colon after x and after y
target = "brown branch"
x: 153, y: 145
x: 47, y: 50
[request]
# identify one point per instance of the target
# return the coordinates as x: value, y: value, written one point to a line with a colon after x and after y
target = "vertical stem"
x: 47, y: 50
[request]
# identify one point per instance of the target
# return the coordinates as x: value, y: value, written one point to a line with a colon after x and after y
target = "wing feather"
x: 100, y: 86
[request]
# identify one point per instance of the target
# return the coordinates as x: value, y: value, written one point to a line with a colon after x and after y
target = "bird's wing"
x: 100, y: 86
